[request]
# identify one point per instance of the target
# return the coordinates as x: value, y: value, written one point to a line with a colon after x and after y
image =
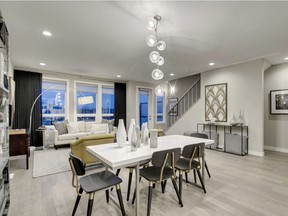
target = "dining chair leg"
x: 149, y: 198
x: 117, y: 174
x: 90, y: 204
x: 180, y: 183
x: 162, y: 187
x: 201, y: 180
x: 206, y: 167
x: 129, y: 183
x: 154, y: 185
x: 77, y: 201
x: 186, y: 177
x: 195, y: 178
x: 107, y: 195
x: 177, y: 192
x: 119, y: 194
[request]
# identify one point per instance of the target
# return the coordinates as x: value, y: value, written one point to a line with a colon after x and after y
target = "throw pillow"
x: 110, y: 124
x: 61, y: 127
x: 72, y: 128
x: 99, y: 129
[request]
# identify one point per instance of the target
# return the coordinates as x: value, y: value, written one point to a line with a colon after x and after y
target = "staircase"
x: 184, y: 104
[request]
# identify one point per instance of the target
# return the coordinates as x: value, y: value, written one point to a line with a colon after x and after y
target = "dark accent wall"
x: 120, y: 102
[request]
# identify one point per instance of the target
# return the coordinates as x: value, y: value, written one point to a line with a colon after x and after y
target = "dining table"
x: 114, y: 157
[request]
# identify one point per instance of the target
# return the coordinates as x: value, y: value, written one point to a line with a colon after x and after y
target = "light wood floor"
x: 246, y: 185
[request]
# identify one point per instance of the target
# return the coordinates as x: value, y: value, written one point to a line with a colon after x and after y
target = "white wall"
x: 245, y: 92
x: 275, y: 129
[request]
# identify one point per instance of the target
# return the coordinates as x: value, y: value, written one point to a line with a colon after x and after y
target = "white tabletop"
x: 116, y: 157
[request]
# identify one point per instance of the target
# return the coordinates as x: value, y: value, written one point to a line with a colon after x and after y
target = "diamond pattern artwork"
x: 216, y: 102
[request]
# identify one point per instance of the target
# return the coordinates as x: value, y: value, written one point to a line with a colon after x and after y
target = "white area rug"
x: 51, y: 161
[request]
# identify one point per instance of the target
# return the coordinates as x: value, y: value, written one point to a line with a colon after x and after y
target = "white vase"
x: 153, y: 138
x: 145, y: 135
x: 233, y: 121
x: 138, y: 136
x: 121, y: 134
x: 142, y: 132
x: 241, y: 120
x: 134, y: 139
x: 130, y: 130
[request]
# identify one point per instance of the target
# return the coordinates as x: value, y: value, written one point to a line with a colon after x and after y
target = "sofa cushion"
x: 81, y: 126
x: 61, y: 127
x: 88, y: 126
x: 110, y: 124
x: 99, y: 129
x: 64, y: 137
x: 72, y: 128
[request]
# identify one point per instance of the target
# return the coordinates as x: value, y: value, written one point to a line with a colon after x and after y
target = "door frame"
x: 151, y: 105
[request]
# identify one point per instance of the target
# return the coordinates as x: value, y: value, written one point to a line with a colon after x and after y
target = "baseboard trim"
x: 256, y: 153
x: 277, y: 149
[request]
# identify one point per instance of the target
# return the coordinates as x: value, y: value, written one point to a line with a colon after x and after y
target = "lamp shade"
x: 161, y: 45
x: 154, y: 56
x: 151, y: 40
x: 160, y: 61
x: 157, y: 74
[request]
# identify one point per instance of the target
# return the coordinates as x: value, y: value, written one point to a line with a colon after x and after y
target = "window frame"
x: 163, y: 108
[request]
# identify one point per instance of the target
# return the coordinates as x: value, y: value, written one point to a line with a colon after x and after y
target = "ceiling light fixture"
x: 211, y: 64
x: 171, y: 74
x: 286, y: 58
x: 119, y: 76
x: 153, y: 41
x: 42, y: 64
x: 47, y: 33
x: 159, y: 90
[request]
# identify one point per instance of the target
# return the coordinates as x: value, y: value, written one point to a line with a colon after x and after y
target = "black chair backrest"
x: 188, y: 150
x: 77, y: 164
x: 159, y: 157
x: 199, y: 135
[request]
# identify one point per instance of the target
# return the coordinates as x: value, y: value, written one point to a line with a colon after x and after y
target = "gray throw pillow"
x: 61, y: 127
x: 110, y: 124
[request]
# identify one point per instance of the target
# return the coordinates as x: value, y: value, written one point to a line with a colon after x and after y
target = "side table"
x: 19, y: 145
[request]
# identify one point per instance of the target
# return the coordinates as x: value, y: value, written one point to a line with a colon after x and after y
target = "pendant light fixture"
x: 160, y: 45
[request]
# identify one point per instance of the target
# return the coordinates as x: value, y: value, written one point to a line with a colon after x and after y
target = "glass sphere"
x: 161, y: 45
x: 154, y: 56
x: 159, y: 90
x: 151, y: 40
x: 152, y: 23
x: 157, y: 74
x: 160, y: 61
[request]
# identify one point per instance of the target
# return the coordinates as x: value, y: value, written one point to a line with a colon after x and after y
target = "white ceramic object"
x: 241, y: 120
x: 121, y: 134
x: 138, y: 136
x: 233, y: 121
x: 145, y: 134
x: 130, y: 130
x: 153, y: 138
x: 134, y: 139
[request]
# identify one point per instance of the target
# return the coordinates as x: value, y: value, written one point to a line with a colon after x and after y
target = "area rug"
x: 51, y: 161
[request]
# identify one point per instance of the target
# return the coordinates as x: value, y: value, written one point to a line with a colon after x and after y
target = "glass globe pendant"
x: 157, y: 74
x: 154, y: 56
x: 151, y: 40
x: 152, y: 23
x: 159, y: 90
x: 161, y: 45
x: 160, y: 61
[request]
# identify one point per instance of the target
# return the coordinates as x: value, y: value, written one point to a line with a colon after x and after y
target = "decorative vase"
x: 145, y: 135
x: 134, y: 139
x: 121, y: 134
x: 153, y: 138
x: 138, y: 136
x: 233, y: 121
x: 130, y: 130
x: 142, y: 132
x: 241, y: 120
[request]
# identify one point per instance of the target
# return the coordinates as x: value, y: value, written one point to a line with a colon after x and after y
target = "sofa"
x: 64, y: 133
x: 78, y: 148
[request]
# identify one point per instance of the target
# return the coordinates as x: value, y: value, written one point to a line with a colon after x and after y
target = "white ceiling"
x: 103, y: 39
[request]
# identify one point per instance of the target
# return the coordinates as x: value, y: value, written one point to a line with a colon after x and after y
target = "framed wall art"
x: 216, y: 102
x: 279, y: 102
x: 172, y: 103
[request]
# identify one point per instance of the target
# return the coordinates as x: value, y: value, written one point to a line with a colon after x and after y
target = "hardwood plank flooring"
x: 248, y: 185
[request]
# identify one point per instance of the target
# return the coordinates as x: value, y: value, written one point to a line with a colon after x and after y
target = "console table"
x: 19, y: 145
x: 229, y: 138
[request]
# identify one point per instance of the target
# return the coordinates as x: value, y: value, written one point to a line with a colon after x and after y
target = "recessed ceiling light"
x: 47, y: 33
x: 119, y: 76
x: 171, y: 74
x: 286, y: 58
x: 211, y: 64
x: 43, y: 64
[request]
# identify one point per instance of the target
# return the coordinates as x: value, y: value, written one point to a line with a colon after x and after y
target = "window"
x: 160, y: 108
x: 86, y: 112
x: 53, y: 101
x: 107, y: 102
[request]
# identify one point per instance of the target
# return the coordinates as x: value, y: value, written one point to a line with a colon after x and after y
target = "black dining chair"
x: 92, y: 183
x: 162, y: 169
x: 203, y: 136
x: 190, y: 160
